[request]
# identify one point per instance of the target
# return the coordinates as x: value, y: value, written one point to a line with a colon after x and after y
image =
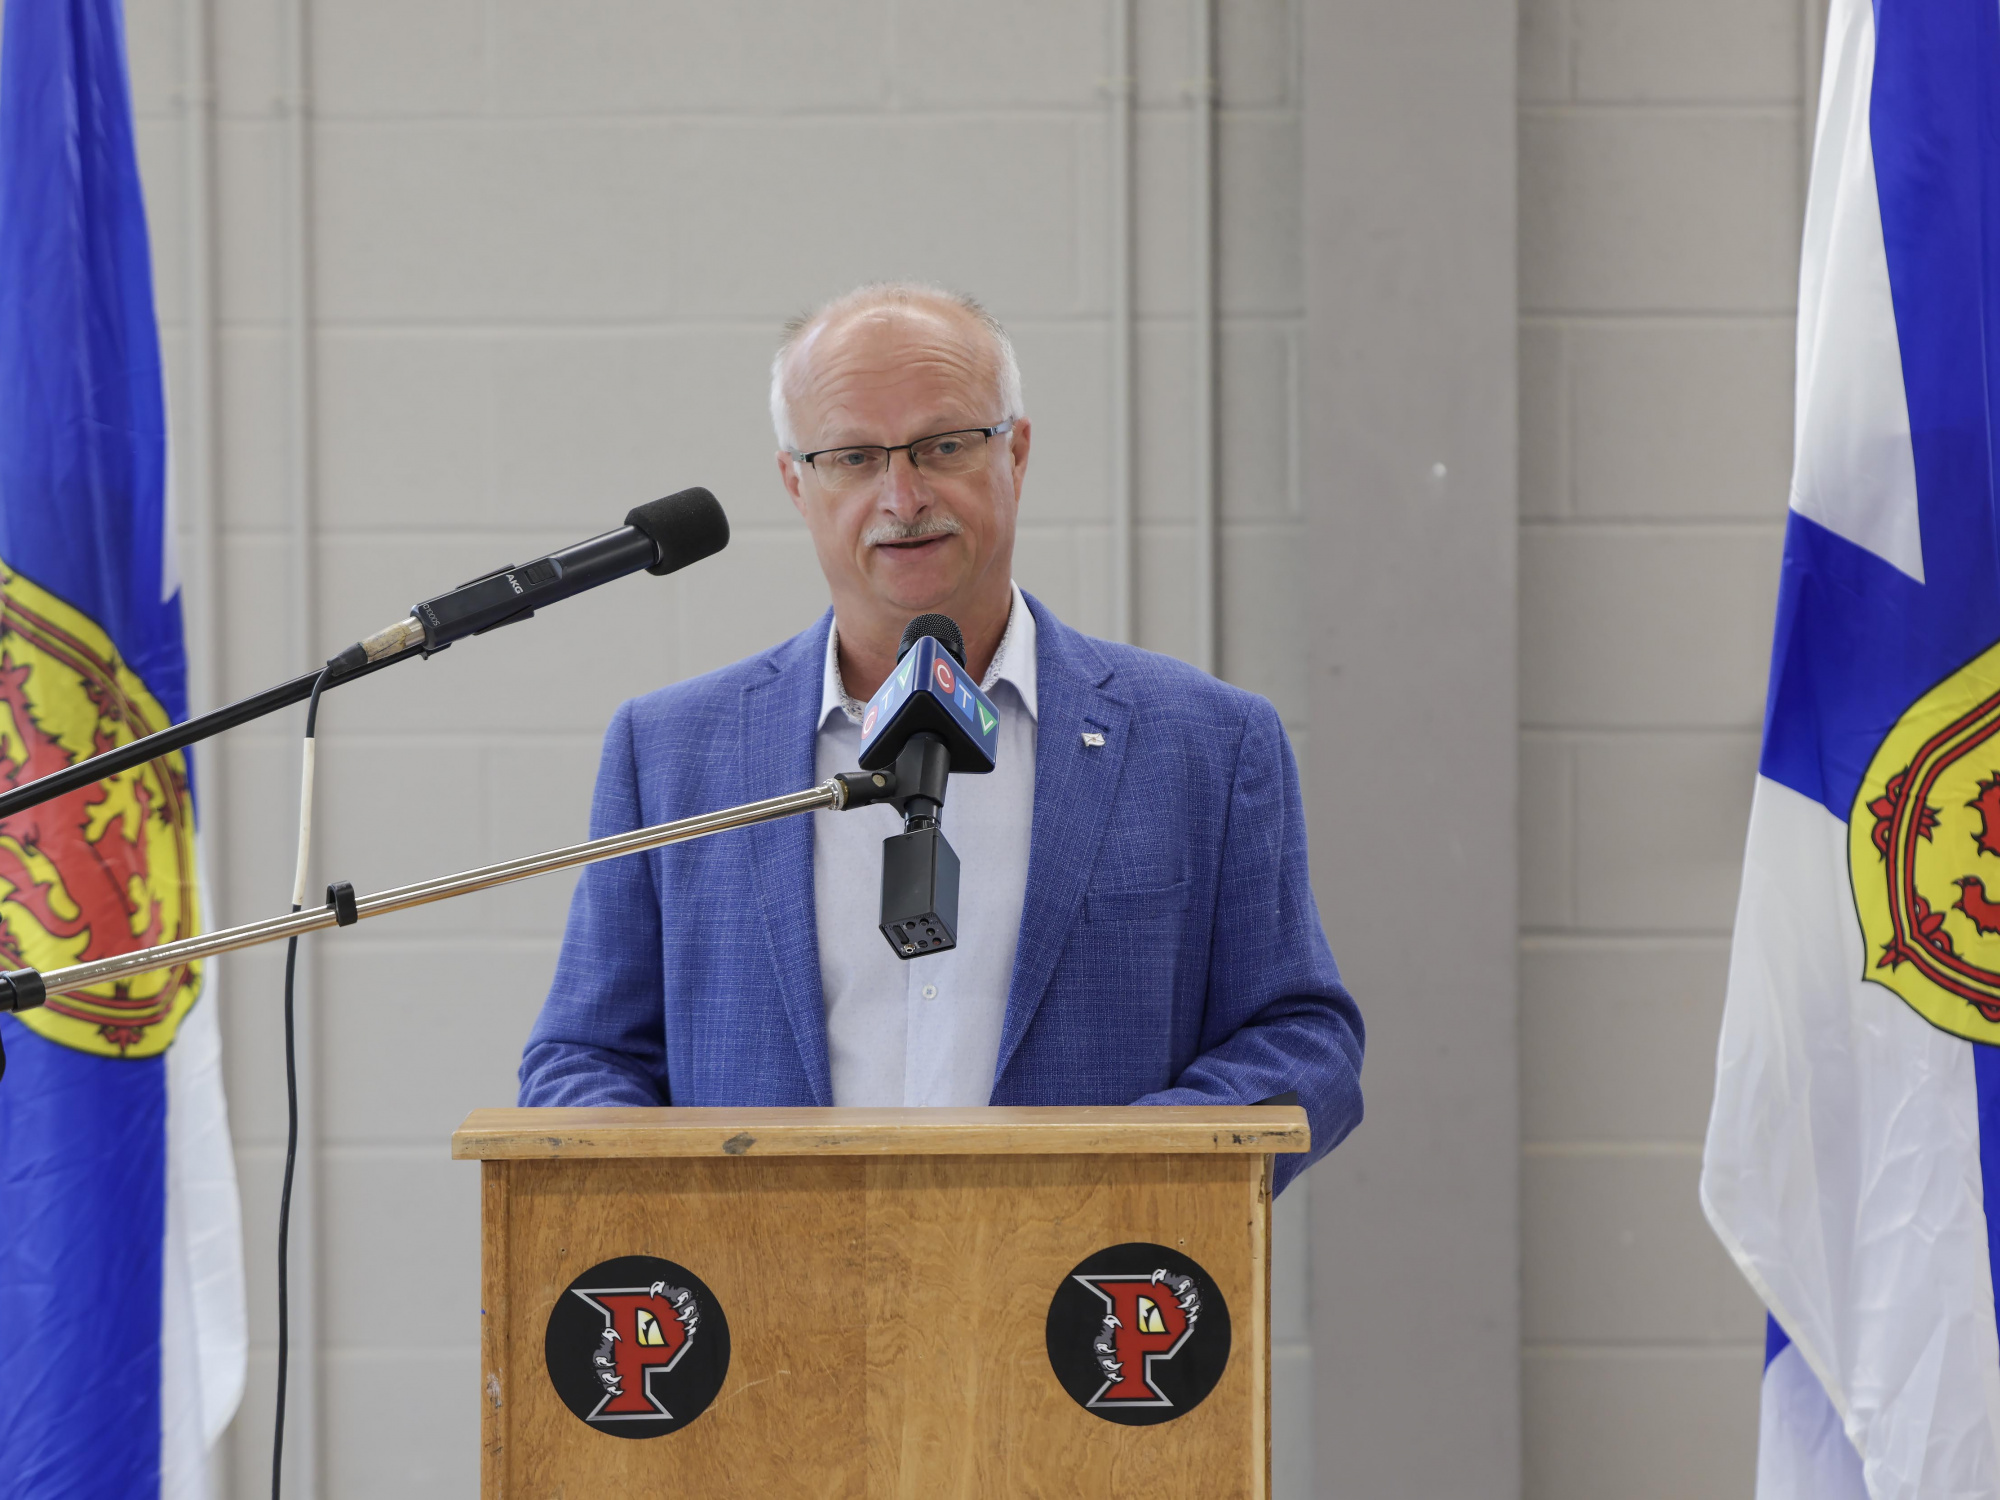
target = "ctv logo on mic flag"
x: 928, y: 675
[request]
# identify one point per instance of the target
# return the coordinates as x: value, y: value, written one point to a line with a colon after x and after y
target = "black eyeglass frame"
x: 888, y: 453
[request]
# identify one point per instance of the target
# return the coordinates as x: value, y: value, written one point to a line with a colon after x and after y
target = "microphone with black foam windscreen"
x: 927, y: 720
x: 660, y: 537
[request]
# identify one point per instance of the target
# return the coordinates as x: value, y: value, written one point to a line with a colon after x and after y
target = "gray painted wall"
x: 549, y: 250
x: 549, y: 247
x: 1410, y: 411
x: 1660, y: 199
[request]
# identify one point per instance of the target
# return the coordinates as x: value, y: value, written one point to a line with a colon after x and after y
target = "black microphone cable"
x: 292, y: 1091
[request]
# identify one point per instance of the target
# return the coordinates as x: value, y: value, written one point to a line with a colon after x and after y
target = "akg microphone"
x: 660, y: 537
x: 928, y: 719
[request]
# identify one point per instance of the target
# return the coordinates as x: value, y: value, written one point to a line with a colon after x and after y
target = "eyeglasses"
x: 941, y: 455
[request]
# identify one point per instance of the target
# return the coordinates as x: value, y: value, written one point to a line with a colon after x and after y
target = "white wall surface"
x: 1412, y: 520
x: 549, y: 248
x: 1661, y: 194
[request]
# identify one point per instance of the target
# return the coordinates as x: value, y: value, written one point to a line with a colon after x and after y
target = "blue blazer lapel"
x: 776, y: 746
x: 1074, y: 787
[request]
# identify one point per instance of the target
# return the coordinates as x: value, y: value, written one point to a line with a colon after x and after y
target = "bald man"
x: 1136, y: 921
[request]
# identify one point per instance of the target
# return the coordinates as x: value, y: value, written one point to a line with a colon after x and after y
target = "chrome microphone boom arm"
x: 23, y: 989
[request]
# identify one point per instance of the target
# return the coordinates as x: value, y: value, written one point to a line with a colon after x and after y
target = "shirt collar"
x: 1013, y: 663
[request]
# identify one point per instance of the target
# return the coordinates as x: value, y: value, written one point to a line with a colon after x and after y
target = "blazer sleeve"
x: 1277, y: 1018
x: 600, y: 1038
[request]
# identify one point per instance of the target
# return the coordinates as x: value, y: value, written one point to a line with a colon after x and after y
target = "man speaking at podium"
x: 1136, y: 922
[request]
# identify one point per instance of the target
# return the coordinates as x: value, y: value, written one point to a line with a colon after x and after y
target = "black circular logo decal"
x: 637, y: 1346
x: 1138, y: 1334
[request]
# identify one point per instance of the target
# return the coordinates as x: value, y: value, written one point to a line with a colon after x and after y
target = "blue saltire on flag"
x: 1853, y: 1159
x: 121, y: 1324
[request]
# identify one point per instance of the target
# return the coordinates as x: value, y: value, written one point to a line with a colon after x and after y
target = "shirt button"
x: 930, y: 992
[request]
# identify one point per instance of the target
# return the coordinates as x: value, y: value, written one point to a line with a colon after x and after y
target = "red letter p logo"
x: 1145, y: 1318
x: 645, y: 1329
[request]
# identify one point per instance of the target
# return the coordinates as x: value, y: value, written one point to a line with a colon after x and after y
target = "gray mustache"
x: 910, y: 531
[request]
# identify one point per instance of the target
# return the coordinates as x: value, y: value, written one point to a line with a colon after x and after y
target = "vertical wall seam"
x: 197, y: 428
x: 1295, y: 415
x: 192, y: 448
x: 302, y: 1437
x: 1565, y: 423
x: 298, y: 329
x: 1201, y: 190
x: 193, y: 438
x: 1121, y: 86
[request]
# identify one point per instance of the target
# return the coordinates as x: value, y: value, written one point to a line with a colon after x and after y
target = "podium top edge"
x: 530, y: 1134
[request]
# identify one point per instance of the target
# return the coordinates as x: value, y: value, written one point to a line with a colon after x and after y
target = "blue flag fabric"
x: 84, y: 463
x: 1852, y: 1166
x: 120, y: 1261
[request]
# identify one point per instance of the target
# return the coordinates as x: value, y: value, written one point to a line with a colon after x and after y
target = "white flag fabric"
x: 204, y: 1334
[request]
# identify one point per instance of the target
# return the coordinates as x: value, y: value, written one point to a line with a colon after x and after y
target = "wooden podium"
x: 876, y: 1302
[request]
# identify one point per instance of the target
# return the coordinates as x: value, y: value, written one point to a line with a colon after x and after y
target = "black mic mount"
x: 919, y: 869
x: 660, y: 537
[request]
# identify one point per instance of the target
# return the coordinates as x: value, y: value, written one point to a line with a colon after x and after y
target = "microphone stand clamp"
x: 919, y: 868
x: 20, y: 989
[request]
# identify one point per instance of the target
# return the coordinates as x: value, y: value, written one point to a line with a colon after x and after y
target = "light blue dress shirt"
x: 925, y: 1031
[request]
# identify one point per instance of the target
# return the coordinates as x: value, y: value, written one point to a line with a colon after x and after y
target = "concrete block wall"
x: 1660, y: 199
x: 1410, y: 224
x: 550, y: 248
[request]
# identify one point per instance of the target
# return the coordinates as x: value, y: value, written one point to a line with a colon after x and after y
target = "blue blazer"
x: 1170, y: 949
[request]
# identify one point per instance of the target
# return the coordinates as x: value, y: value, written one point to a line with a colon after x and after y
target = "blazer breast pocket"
x: 1135, y: 905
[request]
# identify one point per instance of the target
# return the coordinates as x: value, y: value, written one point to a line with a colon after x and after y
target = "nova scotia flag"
x: 121, y: 1281
x: 1853, y: 1159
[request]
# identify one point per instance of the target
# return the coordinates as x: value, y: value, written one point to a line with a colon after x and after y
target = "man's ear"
x: 1018, y: 443
x: 788, y: 475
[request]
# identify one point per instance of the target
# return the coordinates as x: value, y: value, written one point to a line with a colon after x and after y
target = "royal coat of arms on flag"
x: 102, y: 870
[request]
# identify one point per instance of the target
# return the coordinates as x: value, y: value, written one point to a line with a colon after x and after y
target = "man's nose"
x: 904, y: 492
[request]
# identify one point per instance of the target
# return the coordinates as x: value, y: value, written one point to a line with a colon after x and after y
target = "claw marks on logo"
x: 644, y: 1331
x: 1138, y: 1334
x: 109, y: 867
x: 637, y: 1347
x: 1923, y: 825
x: 1145, y: 1318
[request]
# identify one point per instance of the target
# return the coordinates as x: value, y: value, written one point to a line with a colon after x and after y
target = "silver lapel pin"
x: 1093, y: 739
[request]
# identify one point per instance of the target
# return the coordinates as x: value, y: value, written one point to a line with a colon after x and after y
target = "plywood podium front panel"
x: 886, y: 1277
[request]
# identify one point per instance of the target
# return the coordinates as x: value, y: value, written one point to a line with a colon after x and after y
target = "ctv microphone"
x: 930, y: 692
x: 660, y: 536
x: 928, y: 719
